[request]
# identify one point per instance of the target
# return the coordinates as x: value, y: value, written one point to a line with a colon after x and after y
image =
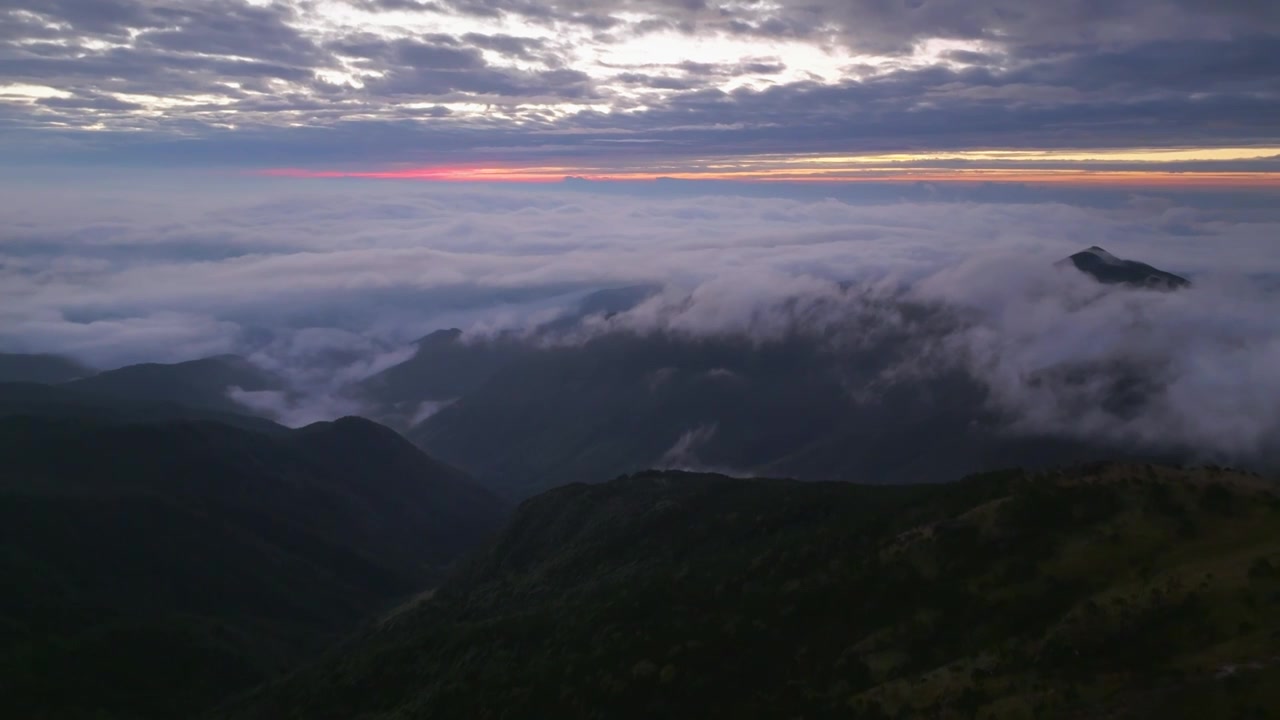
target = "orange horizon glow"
x: 825, y: 172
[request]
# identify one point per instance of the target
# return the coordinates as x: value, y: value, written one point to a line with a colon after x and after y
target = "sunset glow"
x: 1136, y: 167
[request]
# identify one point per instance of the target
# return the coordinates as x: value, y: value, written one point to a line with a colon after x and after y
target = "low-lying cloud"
x: 326, y: 284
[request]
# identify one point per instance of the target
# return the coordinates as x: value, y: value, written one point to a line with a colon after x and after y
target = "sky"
x: 1129, y: 93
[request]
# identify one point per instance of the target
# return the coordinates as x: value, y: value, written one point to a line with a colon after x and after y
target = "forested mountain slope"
x: 154, y: 567
x: 1101, y: 591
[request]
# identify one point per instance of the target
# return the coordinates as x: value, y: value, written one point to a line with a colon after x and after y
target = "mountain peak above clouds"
x: 1111, y: 270
x: 1103, y: 255
x: 440, y: 337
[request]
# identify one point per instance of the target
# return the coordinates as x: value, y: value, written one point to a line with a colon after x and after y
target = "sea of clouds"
x: 329, y: 282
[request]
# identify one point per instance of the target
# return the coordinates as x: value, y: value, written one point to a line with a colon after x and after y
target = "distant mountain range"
x: 18, y: 367
x: 525, y: 415
x: 42, y: 400
x: 194, y: 385
x: 620, y: 403
x: 527, y: 412
x: 199, y: 383
x: 166, y: 555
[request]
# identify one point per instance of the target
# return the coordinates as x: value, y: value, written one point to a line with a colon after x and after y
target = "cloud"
x: 320, y: 365
x: 879, y: 26
x: 327, y: 284
x: 426, y: 409
x: 682, y: 455
x: 763, y: 303
x: 1065, y: 356
x: 155, y: 336
x: 376, y: 82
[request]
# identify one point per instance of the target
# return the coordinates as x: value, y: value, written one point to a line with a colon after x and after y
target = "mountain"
x: 60, y: 401
x: 200, y: 383
x: 196, y: 383
x: 1107, y: 268
x: 443, y: 368
x: 1118, y: 591
x: 153, y: 568
x: 601, y: 303
x: 614, y: 300
x: 567, y: 404
x: 798, y: 407
x: 620, y: 403
x: 446, y: 365
x: 17, y: 367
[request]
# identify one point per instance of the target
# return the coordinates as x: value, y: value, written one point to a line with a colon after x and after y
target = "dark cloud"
x: 1104, y: 101
x: 732, y: 69
x: 412, y: 5
x: 663, y: 82
x: 145, y: 72
x: 423, y: 56
x: 28, y: 28
x: 1139, y: 97
x: 592, y: 15
x: 419, y: 68
x: 525, y: 48
x: 252, y: 83
x: 970, y: 57
x: 895, y: 26
x: 234, y: 29
x: 142, y: 47
x: 108, y: 17
x: 89, y: 102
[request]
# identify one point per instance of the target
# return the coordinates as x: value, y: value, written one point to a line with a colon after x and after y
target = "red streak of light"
x: 1095, y: 178
x: 446, y: 174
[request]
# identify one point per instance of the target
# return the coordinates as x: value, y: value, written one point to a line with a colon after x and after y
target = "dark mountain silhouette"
x: 1122, y: 591
x: 799, y: 407
x: 443, y: 368
x: 18, y: 367
x: 601, y: 303
x: 1107, y: 268
x: 527, y: 413
x: 447, y: 366
x: 620, y: 403
x: 154, y: 568
x: 200, y: 383
x: 614, y: 300
x: 60, y: 401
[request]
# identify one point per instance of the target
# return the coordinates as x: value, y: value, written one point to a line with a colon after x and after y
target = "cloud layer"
x: 329, y: 283
x: 600, y: 86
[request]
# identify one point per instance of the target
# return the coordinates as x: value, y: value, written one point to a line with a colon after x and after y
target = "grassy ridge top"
x: 1099, y: 591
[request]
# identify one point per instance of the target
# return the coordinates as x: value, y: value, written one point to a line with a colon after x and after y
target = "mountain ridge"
x: 40, y: 368
x: 201, y: 383
x: 1107, y: 588
x: 159, y: 566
